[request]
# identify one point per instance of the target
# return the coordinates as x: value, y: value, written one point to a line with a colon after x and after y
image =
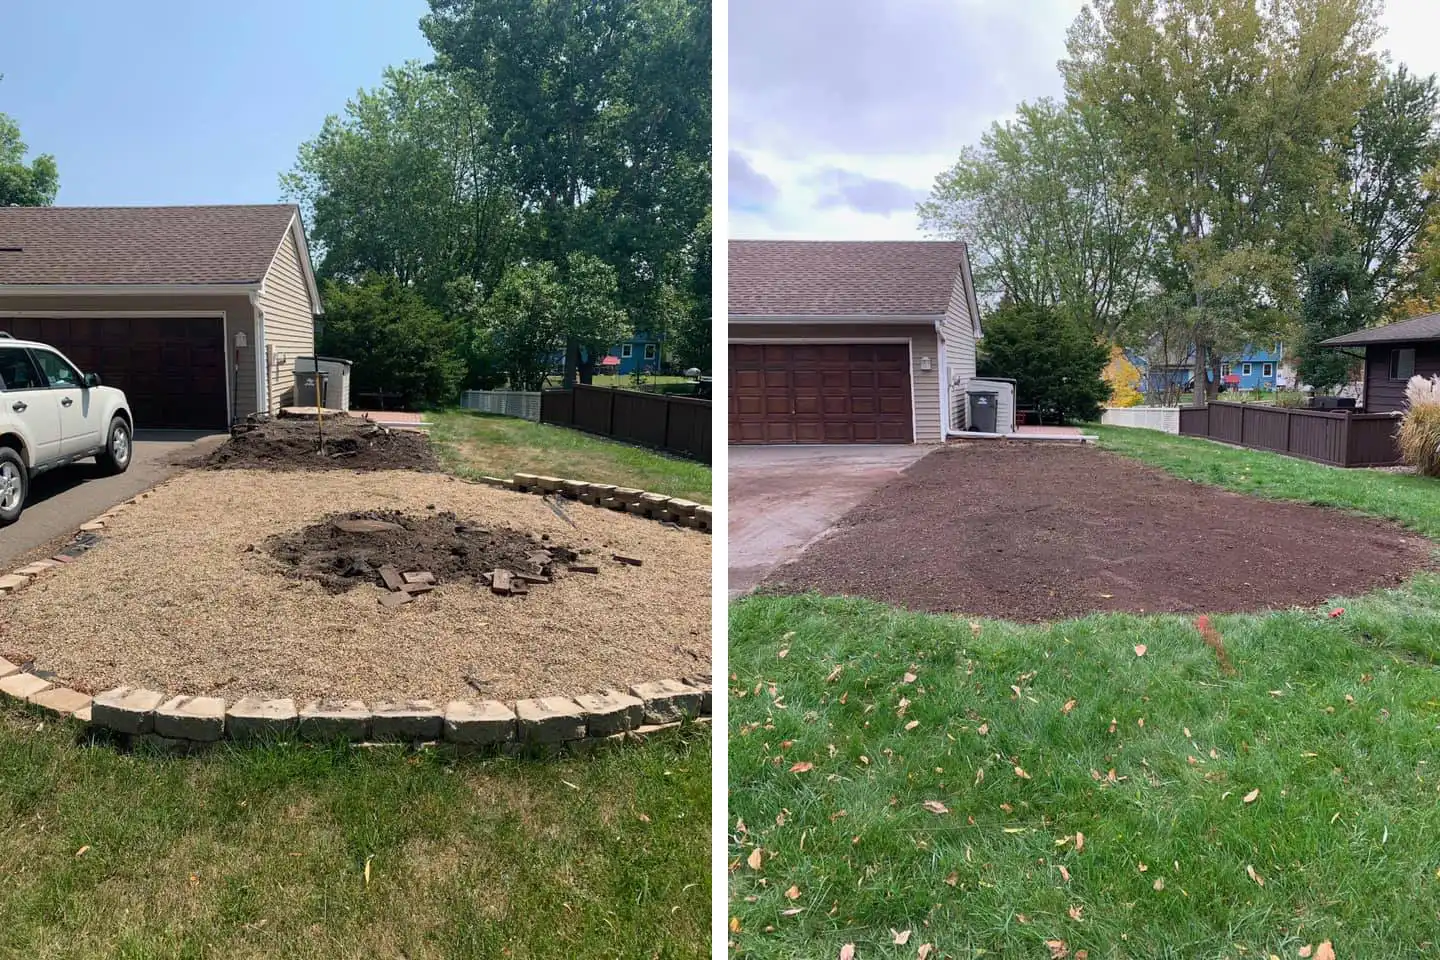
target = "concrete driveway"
x: 66, y: 497
x: 783, y: 497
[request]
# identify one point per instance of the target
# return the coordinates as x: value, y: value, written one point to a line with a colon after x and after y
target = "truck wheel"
x: 116, y: 458
x: 14, y: 485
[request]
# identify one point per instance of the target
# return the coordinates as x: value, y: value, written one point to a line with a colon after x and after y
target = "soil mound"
x: 348, y: 549
x: 349, y: 444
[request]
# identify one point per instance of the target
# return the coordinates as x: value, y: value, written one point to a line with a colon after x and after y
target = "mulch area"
x: 340, y: 443
x: 1038, y: 532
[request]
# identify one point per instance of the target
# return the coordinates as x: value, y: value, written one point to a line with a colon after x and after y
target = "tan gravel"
x: 172, y: 599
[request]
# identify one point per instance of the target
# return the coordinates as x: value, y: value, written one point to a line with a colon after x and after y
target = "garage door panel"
x: 821, y: 393
x: 173, y: 369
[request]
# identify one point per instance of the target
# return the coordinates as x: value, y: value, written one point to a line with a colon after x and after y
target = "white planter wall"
x: 1164, y: 419
x: 510, y: 403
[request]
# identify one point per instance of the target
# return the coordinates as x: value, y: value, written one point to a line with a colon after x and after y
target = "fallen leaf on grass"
x: 983, y: 729
x: 793, y: 893
x: 902, y: 937
x: 792, y: 912
x: 734, y: 924
x: 953, y: 879
x: 1306, y: 950
x: 909, y: 677
x: 1065, y: 875
x: 1252, y: 796
x: 1079, y: 841
x: 1059, y: 949
x: 847, y: 952
x: 1069, y: 705
x: 935, y: 806
x: 1020, y: 772
x: 756, y: 859
x: 367, y: 868
x: 912, y: 724
x: 1159, y: 884
x: 1140, y: 649
x: 783, y: 653
x: 1250, y: 872
x: 834, y: 674
x: 804, y: 766
x: 1075, y: 912
x: 974, y: 629
x: 1338, y: 611
x: 1325, y: 951
x: 644, y: 817
x: 925, y: 951
x: 81, y: 851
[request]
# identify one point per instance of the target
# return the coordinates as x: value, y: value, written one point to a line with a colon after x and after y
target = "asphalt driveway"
x: 784, y: 497
x: 64, y: 498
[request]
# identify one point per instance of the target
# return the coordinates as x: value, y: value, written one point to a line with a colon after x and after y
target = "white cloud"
x: 892, y: 92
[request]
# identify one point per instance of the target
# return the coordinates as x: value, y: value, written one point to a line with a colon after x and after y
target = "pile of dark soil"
x: 1037, y: 532
x: 350, y: 444
x: 348, y: 549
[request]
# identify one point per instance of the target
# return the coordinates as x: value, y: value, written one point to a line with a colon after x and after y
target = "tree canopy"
x: 22, y: 184
x: 549, y: 142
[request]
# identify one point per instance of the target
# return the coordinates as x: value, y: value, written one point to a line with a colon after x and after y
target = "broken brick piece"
x: 628, y: 561
x: 415, y: 589
x: 500, y: 582
x: 418, y: 576
x: 396, y: 598
x: 583, y: 568
x: 392, y: 578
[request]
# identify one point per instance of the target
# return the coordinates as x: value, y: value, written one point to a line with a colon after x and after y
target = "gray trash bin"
x: 983, y: 408
x: 306, y: 385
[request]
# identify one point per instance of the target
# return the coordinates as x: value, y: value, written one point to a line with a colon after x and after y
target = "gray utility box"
x: 337, y: 382
x: 312, y: 389
x: 983, y: 406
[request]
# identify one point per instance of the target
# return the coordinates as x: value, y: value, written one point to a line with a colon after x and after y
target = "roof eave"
x: 837, y: 318
x: 126, y: 289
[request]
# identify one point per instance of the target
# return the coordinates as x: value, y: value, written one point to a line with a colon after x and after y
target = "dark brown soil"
x: 350, y: 444
x: 448, y: 547
x: 1037, y: 532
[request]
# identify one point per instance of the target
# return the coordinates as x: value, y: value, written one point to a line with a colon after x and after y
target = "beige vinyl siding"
x: 959, y: 327
x: 924, y: 384
x: 289, y: 320
x: 238, y: 318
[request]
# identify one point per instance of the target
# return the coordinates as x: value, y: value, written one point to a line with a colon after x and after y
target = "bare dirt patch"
x: 345, y: 550
x: 182, y: 596
x: 349, y: 443
x: 1038, y: 532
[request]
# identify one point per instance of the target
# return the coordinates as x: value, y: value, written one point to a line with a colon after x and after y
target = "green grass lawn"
x: 480, y: 444
x: 263, y: 853
x: 906, y: 772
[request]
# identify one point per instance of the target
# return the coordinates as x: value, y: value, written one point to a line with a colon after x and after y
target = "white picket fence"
x: 1164, y: 419
x: 511, y: 403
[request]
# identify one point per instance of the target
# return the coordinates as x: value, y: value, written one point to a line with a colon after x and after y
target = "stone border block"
x: 7, y: 668
x: 61, y: 700
x: 20, y: 687
x: 610, y: 712
x: 668, y: 700
x: 12, y: 582
x: 479, y: 723
x: 251, y: 718
x: 191, y: 718
x: 126, y: 710
x: 334, y: 720
x: 405, y: 720
x: 549, y: 720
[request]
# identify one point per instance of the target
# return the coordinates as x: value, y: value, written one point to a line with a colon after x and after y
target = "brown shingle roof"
x: 794, y: 278
x: 1418, y: 328
x: 140, y: 245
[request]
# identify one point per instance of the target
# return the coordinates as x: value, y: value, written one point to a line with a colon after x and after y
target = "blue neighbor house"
x: 640, y: 352
x: 1254, y: 369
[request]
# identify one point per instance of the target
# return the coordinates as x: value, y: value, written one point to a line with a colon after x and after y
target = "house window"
x: 627, y: 350
x: 1402, y: 364
x: 649, y: 351
x: 1267, y: 370
x: 1225, y: 369
x: 1245, y: 369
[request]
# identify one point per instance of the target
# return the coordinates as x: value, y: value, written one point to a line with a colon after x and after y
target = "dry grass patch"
x: 181, y: 598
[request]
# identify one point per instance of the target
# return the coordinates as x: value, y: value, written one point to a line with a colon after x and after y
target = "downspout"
x: 262, y: 368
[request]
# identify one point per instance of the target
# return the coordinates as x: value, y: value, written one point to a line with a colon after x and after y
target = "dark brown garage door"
x: 820, y: 393
x: 172, y: 369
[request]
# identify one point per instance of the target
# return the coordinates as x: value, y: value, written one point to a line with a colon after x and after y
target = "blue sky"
x: 174, y: 101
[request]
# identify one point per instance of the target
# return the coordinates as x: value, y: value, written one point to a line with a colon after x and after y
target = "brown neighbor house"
x: 849, y: 342
x: 197, y: 313
x: 1393, y: 354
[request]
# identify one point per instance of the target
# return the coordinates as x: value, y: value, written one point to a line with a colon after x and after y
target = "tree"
x: 1052, y: 218
x: 1235, y: 115
x: 1339, y: 298
x: 398, y: 343
x: 538, y: 308
x: 1055, y: 361
x: 602, y: 109
x: 24, y: 185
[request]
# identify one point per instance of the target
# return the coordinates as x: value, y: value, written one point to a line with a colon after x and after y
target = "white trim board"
x: 882, y: 318
x: 126, y: 289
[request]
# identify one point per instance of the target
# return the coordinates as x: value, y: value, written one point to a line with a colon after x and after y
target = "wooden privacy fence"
x: 511, y: 403
x: 1337, y: 437
x: 673, y: 424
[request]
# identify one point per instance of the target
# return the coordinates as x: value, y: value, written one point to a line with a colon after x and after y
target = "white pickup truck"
x: 52, y: 415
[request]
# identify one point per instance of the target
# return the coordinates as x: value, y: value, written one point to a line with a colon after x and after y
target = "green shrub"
x: 1419, y: 435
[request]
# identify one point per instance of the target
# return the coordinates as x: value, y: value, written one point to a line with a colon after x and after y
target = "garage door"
x: 820, y: 393
x: 172, y: 369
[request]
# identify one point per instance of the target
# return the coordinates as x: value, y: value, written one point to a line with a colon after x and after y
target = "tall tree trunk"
x: 572, y: 362
x: 1200, y: 391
